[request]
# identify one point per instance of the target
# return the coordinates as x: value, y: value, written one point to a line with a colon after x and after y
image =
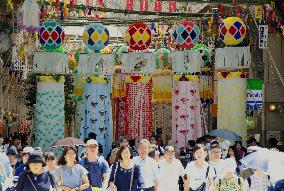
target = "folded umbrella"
x: 68, y: 141
x: 224, y: 133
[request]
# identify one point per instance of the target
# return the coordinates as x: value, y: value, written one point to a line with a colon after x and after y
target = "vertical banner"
x: 254, y: 94
x: 138, y: 107
x: 258, y: 12
x: 143, y: 5
x: 172, y: 6
x: 158, y: 6
x: 49, y: 112
x: 129, y: 5
x: 232, y: 91
x: 263, y: 36
x: 186, y: 122
x: 97, y: 111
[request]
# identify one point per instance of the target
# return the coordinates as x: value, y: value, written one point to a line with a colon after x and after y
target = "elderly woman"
x: 230, y: 181
x: 35, y: 178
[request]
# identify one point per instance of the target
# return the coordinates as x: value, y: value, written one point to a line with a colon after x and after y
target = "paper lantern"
x: 96, y: 36
x: 186, y: 34
x: 118, y: 53
x: 163, y: 58
x: 5, y: 42
x: 205, y: 53
x: 138, y: 36
x: 51, y: 35
x: 232, y: 31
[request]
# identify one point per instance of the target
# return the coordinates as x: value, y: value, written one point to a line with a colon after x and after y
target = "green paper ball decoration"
x: 51, y: 35
x: 206, y: 55
x: 163, y: 58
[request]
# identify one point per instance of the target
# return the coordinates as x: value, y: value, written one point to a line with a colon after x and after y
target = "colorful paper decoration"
x: 49, y: 111
x: 51, y: 35
x: 232, y: 31
x: 205, y: 54
x: 102, y: 64
x: 5, y: 42
x: 232, y: 57
x: 232, y: 95
x: 97, y: 111
x: 163, y: 58
x: 162, y: 86
x: 254, y: 94
x: 263, y: 36
x: 138, y: 62
x: 30, y: 16
x: 138, y: 107
x: 50, y: 62
x: 186, y: 121
x: 186, y: 34
x: 138, y: 36
x: 118, y: 53
x: 206, y: 86
x: 187, y: 61
x: 96, y: 36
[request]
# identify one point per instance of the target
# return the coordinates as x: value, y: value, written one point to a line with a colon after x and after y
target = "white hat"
x: 28, y: 150
x: 92, y: 142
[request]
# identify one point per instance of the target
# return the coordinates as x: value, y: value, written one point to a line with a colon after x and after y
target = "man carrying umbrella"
x: 97, y: 166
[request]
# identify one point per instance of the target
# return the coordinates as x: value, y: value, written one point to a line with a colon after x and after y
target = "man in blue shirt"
x: 96, y: 165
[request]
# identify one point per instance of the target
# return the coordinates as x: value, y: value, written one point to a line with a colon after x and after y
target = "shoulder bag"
x: 202, y: 187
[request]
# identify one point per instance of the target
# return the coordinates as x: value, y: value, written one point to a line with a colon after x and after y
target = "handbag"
x: 51, y: 189
x: 202, y: 187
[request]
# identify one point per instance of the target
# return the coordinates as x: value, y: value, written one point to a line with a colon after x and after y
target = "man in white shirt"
x: 170, y: 171
x: 148, y: 166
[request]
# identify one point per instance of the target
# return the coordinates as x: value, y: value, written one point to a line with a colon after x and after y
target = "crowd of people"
x: 204, y: 165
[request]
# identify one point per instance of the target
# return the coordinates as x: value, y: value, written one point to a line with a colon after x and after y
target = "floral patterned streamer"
x: 97, y: 111
x: 186, y: 121
x: 232, y: 92
x: 138, y: 107
x: 49, y: 111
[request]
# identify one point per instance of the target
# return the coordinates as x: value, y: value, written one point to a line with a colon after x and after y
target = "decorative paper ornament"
x: 30, y: 15
x: 204, y: 51
x: 186, y: 34
x: 118, y: 52
x: 5, y: 42
x: 138, y: 36
x: 96, y: 36
x: 51, y: 35
x: 232, y: 31
x: 163, y: 58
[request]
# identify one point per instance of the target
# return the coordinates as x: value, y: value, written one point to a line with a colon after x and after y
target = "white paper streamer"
x: 50, y: 62
x: 187, y: 61
x: 233, y: 57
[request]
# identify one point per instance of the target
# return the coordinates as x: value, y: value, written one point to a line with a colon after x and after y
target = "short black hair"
x: 251, y: 140
x: 191, y: 143
x: 272, y: 142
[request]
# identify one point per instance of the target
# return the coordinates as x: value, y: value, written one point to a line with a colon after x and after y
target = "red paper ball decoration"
x: 138, y: 36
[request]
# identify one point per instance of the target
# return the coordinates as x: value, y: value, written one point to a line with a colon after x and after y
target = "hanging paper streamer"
x: 162, y: 107
x: 102, y: 64
x: 50, y: 62
x: 138, y: 108
x: 206, y: 86
x: 205, y: 118
x: 5, y: 42
x: 30, y: 14
x: 186, y: 122
x: 163, y: 58
x: 233, y: 57
x: 138, y: 62
x: 205, y: 54
x: 254, y: 94
x: 258, y: 11
x: 118, y: 53
x: 232, y: 91
x: 187, y: 61
x: 49, y: 112
x: 97, y: 112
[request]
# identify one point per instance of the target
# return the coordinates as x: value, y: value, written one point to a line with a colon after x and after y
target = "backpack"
x: 270, y: 187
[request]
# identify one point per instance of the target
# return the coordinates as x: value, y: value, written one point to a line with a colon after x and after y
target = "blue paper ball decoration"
x: 186, y: 34
x: 96, y: 36
x: 51, y: 35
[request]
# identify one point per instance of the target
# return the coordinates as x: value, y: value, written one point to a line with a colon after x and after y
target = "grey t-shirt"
x: 71, y: 177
